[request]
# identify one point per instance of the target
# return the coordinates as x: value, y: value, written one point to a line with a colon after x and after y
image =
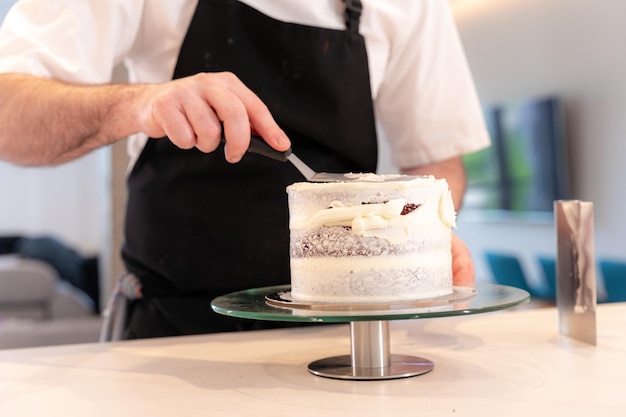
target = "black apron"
x: 197, y: 226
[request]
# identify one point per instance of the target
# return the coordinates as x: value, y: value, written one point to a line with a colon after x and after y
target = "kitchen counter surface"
x: 508, y: 363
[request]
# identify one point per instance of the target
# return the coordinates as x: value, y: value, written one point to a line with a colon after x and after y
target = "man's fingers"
x: 260, y: 118
x: 229, y: 110
x: 191, y: 111
x: 174, y: 123
x: 463, y: 271
x: 204, y: 123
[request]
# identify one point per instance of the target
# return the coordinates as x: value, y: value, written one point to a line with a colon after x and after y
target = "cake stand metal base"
x: 370, y: 357
x: 340, y: 367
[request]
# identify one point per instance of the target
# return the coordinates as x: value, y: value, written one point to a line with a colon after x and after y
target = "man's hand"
x: 191, y: 111
x: 462, y: 266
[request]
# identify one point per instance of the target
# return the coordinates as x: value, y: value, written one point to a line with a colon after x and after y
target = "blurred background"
x: 551, y: 78
x: 525, y: 50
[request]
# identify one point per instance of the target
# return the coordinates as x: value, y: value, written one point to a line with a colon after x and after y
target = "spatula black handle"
x: 260, y: 147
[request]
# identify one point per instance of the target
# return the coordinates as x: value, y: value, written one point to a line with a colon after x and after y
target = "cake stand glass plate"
x: 285, y: 299
x: 370, y: 357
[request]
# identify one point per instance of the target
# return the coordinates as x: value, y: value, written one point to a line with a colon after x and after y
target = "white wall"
x: 573, y: 48
x: 62, y: 201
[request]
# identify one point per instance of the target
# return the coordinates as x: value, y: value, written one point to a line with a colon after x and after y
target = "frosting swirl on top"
x: 377, y: 219
x: 382, y: 206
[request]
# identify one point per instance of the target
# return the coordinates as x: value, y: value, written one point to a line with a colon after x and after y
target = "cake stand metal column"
x: 370, y: 357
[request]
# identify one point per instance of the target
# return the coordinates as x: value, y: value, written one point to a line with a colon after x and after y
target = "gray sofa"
x: 37, y: 308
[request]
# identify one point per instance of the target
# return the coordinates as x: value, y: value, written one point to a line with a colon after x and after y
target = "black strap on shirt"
x: 354, y: 8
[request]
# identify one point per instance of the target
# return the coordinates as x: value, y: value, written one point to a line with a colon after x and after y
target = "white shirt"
x: 424, y: 98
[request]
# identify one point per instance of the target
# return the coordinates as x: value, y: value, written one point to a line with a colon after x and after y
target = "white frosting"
x: 350, y: 241
x: 359, y: 188
x: 447, y: 213
x: 366, y: 219
x: 401, y: 278
x: 363, y: 181
x: 370, y: 177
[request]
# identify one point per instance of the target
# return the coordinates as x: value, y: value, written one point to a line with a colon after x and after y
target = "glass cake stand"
x: 370, y: 357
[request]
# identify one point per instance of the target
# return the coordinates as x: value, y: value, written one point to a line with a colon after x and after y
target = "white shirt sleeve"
x: 426, y: 104
x: 72, y: 40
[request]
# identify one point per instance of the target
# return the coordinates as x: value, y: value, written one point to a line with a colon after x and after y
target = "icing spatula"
x: 260, y: 147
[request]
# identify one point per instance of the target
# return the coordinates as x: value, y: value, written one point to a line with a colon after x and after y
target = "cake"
x: 370, y: 239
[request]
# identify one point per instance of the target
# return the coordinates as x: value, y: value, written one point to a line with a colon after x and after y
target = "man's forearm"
x: 452, y: 170
x: 46, y: 122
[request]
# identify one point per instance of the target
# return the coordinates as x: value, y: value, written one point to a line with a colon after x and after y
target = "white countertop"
x: 510, y: 363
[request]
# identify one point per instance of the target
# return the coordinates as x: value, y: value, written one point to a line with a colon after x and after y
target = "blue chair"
x: 548, y: 267
x: 507, y: 270
x: 614, y: 277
